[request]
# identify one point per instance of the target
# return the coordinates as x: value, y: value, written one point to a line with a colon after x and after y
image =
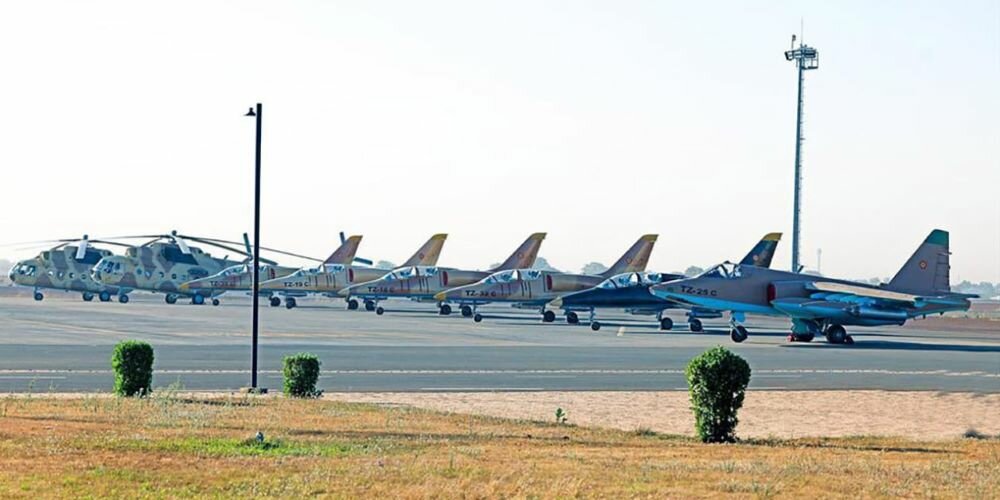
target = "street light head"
x: 250, y: 112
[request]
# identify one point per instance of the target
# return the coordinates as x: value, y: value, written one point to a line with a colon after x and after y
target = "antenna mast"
x: 806, y: 58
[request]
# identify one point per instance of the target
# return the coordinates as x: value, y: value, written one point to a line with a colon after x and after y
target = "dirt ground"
x: 781, y: 414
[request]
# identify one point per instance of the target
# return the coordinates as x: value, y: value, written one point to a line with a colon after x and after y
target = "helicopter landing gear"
x: 123, y: 299
x: 104, y: 297
x: 170, y: 298
x: 290, y: 303
x: 275, y: 301
x: 215, y: 302
x: 87, y: 296
x: 39, y: 296
x: 197, y: 299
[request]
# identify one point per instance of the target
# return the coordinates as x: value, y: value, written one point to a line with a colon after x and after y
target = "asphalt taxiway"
x: 64, y: 344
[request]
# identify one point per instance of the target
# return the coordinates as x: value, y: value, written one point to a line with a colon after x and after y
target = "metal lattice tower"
x: 806, y: 58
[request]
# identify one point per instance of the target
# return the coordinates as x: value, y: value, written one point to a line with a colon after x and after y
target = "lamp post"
x: 806, y: 58
x: 256, y: 248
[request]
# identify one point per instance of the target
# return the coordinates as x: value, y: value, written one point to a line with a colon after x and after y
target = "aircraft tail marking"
x: 636, y: 258
x: 762, y: 253
x: 428, y: 254
x: 928, y: 270
x: 344, y: 254
x: 524, y: 256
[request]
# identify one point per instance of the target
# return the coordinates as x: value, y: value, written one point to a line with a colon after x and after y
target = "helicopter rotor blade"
x: 81, y: 248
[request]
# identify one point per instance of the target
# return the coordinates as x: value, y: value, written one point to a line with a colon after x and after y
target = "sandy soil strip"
x: 785, y: 414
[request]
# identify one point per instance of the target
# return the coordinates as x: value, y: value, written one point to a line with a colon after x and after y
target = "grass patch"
x: 173, y: 446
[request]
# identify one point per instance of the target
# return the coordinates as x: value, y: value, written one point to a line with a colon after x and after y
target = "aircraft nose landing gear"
x: 738, y: 333
x: 275, y: 301
x: 445, y: 310
x: 467, y: 311
x: 290, y: 303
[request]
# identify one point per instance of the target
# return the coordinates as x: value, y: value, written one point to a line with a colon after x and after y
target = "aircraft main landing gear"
x: 467, y: 311
x: 87, y: 296
x: 379, y: 311
x: 444, y: 310
x: 595, y: 325
x: 369, y: 305
x: 290, y: 303
x: 275, y: 301
x: 572, y: 318
x: 695, y: 325
x: 548, y: 316
x: 215, y: 302
x: 123, y: 299
x: 39, y: 296
x: 352, y: 305
x: 477, y: 317
x: 738, y: 333
x: 836, y: 334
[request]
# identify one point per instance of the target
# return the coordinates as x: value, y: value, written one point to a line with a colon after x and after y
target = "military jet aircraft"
x: 163, y: 264
x: 817, y: 304
x: 240, y: 277
x: 630, y: 291
x: 329, y: 279
x: 421, y: 283
x: 536, y: 288
x: 66, y: 266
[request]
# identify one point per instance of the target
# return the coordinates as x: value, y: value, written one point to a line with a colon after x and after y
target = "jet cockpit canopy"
x: 726, y: 270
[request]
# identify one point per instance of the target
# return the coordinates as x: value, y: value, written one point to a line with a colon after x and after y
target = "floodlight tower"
x: 806, y: 58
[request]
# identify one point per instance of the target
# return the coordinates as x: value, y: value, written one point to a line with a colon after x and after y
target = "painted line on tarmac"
x: 770, y: 373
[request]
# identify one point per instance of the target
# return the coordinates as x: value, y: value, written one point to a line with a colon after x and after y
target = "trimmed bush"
x: 301, y: 373
x: 132, y: 362
x: 717, y: 380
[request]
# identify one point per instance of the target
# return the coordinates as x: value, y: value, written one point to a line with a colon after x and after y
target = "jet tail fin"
x: 428, y: 254
x: 635, y: 259
x: 928, y: 270
x: 344, y: 254
x: 762, y: 253
x: 524, y: 256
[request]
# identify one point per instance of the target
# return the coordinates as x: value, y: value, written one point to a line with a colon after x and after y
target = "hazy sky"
x: 594, y: 121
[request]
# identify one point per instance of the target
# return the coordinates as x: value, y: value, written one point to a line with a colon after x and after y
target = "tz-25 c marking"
x: 690, y: 290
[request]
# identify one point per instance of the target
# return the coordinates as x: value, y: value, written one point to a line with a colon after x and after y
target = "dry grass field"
x: 174, y: 445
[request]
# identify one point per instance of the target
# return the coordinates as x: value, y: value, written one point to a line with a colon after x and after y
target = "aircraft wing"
x: 862, y: 291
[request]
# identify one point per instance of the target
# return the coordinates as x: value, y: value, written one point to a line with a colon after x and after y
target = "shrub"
x: 717, y: 380
x: 301, y: 372
x: 561, y: 416
x: 132, y: 362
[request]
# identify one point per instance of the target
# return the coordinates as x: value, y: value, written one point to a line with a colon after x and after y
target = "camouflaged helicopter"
x: 163, y: 263
x: 67, y: 266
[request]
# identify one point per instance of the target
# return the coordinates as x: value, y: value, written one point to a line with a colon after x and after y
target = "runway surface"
x: 64, y: 344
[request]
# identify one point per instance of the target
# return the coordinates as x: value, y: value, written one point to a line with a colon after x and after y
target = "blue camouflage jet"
x: 816, y: 304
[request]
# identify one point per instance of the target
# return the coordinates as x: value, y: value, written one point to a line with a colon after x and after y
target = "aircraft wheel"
x: 170, y: 299
x: 477, y: 318
x: 369, y: 305
x: 666, y: 324
x: 197, y: 299
x: 836, y: 334
x: 739, y: 334
x: 804, y: 337
x: 352, y: 305
x: 104, y: 297
x: 275, y: 301
x: 379, y: 310
x: 572, y: 318
x: 87, y: 296
x: 215, y: 302
x: 444, y: 310
x: 695, y: 325
x: 466, y: 311
x: 290, y: 303
x: 548, y: 317
x: 123, y: 299
x: 595, y: 325
x: 39, y: 296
